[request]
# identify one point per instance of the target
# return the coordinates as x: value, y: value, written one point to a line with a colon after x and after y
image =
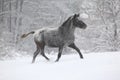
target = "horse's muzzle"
x: 85, y: 26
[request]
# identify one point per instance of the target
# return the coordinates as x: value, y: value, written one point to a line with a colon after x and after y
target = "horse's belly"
x: 53, y: 41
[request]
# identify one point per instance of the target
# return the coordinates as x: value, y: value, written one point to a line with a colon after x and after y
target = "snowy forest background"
x: 20, y: 16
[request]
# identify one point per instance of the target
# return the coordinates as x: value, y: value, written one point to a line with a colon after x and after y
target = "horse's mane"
x: 65, y: 26
x: 66, y: 22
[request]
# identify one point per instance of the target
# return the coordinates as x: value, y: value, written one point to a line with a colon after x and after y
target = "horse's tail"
x: 25, y: 35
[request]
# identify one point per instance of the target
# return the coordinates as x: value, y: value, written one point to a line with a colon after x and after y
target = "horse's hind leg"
x: 35, y: 54
x: 42, y: 52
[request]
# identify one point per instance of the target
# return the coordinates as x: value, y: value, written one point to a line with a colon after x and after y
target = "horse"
x: 59, y: 37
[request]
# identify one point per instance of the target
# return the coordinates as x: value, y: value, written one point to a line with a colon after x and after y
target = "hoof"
x: 47, y: 59
x: 56, y: 60
x: 81, y: 57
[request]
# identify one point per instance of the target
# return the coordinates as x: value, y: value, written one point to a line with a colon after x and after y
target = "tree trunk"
x: 16, y: 7
x: 10, y: 7
x: 115, y: 31
x: 2, y: 9
x: 20, y: 19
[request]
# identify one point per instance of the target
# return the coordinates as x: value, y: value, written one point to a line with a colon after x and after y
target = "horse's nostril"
x: 85, y: 26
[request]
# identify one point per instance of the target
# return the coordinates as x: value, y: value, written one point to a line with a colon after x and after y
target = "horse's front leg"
x: 59, y: 54
x: 76, y: 48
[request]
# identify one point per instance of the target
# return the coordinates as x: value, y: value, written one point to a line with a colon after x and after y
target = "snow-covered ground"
x: 94, y: 66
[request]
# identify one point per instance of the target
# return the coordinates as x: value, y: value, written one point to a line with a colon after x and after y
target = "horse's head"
x: 78, y: 23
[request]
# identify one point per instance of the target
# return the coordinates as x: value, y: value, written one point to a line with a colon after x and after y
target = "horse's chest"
x: 69, y: 40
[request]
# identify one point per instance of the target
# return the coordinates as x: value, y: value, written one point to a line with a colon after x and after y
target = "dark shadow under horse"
x: 60, y: 37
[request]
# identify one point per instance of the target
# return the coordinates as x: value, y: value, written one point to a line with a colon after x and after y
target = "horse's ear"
x: 76, y: 15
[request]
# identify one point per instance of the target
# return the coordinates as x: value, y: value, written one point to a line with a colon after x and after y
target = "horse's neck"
x: 67, y: 31
x: 70, y: 31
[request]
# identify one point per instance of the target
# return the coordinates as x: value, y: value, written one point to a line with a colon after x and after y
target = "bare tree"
x: 109, y: 11
x: 1, y: 9
x: 10, y: 17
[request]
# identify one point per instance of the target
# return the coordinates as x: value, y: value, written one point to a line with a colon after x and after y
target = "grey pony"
x: 59, y: 37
